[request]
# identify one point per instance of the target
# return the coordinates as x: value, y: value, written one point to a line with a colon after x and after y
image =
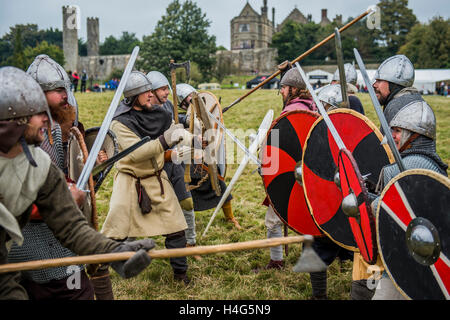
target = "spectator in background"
x: 71, y: 79
x: 84, y: 78
x: 76, y: 77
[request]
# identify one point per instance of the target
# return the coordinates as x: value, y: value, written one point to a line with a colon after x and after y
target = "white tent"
x: 316, y: 75
x: 426, y: 79
x: 360, y: 80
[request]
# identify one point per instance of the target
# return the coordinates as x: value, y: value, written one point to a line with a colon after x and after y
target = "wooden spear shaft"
x: 155, y: 254
x: 301, y: 57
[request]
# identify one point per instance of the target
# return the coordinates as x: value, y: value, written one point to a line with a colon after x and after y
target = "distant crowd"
x: 76, y: 79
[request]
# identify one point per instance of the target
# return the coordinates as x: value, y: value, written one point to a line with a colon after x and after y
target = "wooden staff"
x: 301, y: 57
x: 155, y: 254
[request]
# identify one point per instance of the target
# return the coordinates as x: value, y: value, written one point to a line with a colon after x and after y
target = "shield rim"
x: 113, y: 137
x: 80, y: 139
x: 275, y: 122
x: 379, y: 136
x: 439, y: 177
x: 222, y: 133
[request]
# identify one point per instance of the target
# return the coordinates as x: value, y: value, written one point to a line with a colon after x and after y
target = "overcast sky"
x: 141, y: 16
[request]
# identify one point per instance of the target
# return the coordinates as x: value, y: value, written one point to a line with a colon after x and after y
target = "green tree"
x: 31, y: 36
x: 123, y: 45
x: 18, y: 58
x: 181, y: 34
x: 294, y: 39
x: 428, y: 45
x: 53, y: 51
x: 396, y: 22
x: 82, y: 47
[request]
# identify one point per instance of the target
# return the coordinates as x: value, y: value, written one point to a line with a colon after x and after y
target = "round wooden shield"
x: 282, y: 154
x: 320, y: 165
x: 413, y: 233
x: 212, y: 104
x: 77, y: 156
x: 109, y: 145
x: 362, y: 223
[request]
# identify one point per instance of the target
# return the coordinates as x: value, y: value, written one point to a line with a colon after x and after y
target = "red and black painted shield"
x: 413, y: 233
x: 320, y: 165
x: 362, y: 223
x: 282, y: 153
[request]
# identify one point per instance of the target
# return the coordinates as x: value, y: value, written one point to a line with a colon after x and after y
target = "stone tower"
x: 251, y: 30
x: 93, y: 37
x: 71, y: 24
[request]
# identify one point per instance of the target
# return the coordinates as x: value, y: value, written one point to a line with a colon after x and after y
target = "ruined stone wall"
x: 70, y: 37
x: 248, y: 61
x: 101, y: 67
x: 93, y: 36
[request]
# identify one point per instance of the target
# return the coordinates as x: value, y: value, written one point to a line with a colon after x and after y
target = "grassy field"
x: 229, y: 276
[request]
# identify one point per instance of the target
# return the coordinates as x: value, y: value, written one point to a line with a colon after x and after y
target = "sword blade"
x: 87, y: 169
x: 380, y: 114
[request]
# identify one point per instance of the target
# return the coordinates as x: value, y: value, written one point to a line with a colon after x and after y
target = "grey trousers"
x: 190, y: 231
x: 274, y: 230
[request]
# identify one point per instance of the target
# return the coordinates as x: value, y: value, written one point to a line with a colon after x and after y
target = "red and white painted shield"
x: 413, y: 233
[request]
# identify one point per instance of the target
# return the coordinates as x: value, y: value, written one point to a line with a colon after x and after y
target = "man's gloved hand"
x: 174, y: 134
x: 138, y: 262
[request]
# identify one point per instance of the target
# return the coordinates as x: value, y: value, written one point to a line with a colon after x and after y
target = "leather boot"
x: 273, y: 264
x: 228, y: 212
x: 182, y: 277
x: 101, y: 281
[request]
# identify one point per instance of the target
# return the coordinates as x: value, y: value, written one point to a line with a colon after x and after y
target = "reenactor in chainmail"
x: 39, y: 240
x: 175, y: 171
x: 413, y: 127
x: 200, y: 186
x: 393, y: 80
x: 30, y: 180
x: 143, y: 201
x: 295, y: 96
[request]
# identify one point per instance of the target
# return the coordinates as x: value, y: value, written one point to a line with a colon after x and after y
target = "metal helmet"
x: 50, y: 76
x: 293, y: 78
x: 350, y: 74
x: 184, y: 90
x: 158, y: 80
x: 397, y: 69
x: 331, y: 94
x: 417, y: 117
x: 137, y: 83
x: 20, y: 95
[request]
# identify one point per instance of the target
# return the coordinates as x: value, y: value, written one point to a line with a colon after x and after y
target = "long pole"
x: 301, y: 57
x: 155, y: 254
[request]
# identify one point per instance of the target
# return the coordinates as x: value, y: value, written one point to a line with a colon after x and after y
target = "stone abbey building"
x: 251, y: 36
x: 250, y: 52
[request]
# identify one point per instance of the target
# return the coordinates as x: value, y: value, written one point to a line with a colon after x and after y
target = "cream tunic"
x: 125, y: 218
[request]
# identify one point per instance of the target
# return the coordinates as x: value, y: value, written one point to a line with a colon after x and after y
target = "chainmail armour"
x: 39, y: 241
